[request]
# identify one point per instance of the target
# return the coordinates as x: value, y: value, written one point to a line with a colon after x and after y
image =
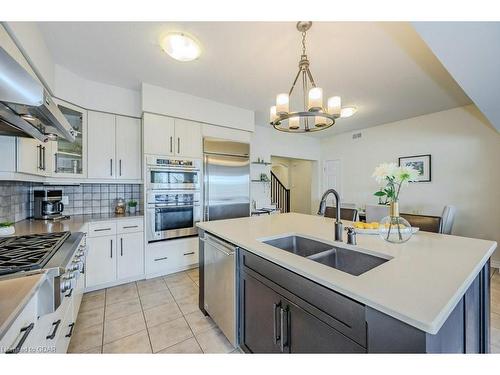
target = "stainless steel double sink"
x: 350, y: 261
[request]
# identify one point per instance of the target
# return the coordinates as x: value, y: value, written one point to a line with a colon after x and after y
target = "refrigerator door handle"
x: 206, y: 177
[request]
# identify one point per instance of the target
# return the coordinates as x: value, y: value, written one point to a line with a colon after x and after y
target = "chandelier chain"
x: 303, y: 42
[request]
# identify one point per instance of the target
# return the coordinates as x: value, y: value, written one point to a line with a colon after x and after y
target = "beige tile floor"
x: 161, y: 316
x: 149, y: 316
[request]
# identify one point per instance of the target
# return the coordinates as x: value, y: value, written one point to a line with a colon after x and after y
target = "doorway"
x: 296, y: 176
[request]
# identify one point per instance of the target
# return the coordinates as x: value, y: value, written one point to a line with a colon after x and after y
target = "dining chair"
x: 448, y: 218
x: 345, y: 213
x: 426, y: 223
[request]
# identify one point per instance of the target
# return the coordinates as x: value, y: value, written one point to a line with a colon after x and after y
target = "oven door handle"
x: 173, y: 205
x: 173, y: 169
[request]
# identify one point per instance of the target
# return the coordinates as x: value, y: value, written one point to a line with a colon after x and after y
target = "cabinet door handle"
x: 56, y: 326
x: 178, y: 145
x: 284, y: 322
x: 111, y: 248
x: 120, y: 165
x: 171, y: 144
x: 121, y: 246
x: 19, y: 345
x: 276, y: 337
x: 102, y: 229
x: 43, y: 158
x: 39, y: 156
x: 158, y: 259
x: 71, y: 326
x: 111, y: 167
x: 190, y: 253
x: 130, y: 226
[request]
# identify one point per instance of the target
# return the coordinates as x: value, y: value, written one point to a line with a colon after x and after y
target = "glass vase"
x: 394, y: 228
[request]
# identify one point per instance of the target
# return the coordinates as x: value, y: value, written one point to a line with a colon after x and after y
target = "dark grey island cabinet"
x: 283, y: 312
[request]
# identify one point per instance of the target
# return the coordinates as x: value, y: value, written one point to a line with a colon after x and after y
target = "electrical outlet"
x: 356, y: 135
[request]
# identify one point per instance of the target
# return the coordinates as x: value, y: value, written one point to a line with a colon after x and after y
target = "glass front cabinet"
x: 70, y: 159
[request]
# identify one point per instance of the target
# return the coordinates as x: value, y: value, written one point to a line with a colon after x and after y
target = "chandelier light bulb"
x: 282, y: 101
x: 294, y: 123
x: 272, y: 114
x: 334, y: 106
x: 316, y: 99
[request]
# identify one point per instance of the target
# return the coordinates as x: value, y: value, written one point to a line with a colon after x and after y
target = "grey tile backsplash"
x: 17, y: 198
x: 14, y: 200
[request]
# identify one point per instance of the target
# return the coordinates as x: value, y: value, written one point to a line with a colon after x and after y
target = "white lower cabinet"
x: 170, y: 256
x: 115, y: 252
x: 101, y: 260
x: 130, y: 255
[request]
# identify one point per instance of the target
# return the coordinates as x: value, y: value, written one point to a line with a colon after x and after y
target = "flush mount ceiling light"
x: 314, y: 116
x: 181, y: 47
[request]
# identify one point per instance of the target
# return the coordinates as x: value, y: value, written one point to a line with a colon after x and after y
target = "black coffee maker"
x: 48, y: 205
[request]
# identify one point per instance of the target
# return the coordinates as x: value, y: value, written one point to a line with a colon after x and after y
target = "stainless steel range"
x: 61, y: 255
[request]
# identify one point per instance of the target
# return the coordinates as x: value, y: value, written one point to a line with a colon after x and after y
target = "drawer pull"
x: 56, y: 327
x: 191, y: 253
x: 131, y: 226
x: 162, y: 258
x: 71, y: 326
x: 102, y: 229
x: 19, y: 345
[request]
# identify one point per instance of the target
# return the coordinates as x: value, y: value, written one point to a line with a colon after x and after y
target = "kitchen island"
x: 430, y: 294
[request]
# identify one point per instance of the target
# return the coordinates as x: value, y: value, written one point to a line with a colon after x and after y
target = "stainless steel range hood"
x: 26, y: 108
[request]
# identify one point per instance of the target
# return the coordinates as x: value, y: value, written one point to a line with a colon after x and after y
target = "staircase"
x: 280, y: 195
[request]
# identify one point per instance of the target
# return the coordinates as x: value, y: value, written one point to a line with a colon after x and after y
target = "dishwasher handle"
x: 224, y: 247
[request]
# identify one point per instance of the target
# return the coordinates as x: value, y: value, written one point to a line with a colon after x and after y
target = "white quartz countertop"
x: 73, y: 224
x: 420, y: 285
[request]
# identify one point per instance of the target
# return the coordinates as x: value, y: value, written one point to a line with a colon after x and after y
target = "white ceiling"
x: 384, y: 69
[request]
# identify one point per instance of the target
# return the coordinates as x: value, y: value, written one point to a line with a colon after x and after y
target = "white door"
x: 101, y: 145
x: 188, y: 139
x: 128, y: 148
x: 158, y: 134
x: 331, y: 177
x: 130, y: 255
x: 100, y: 264
x: 29, y: 156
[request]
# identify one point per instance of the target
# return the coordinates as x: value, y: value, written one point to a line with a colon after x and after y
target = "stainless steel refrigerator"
x: 226, y: 188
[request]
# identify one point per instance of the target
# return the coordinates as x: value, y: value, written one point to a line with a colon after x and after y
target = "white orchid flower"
x: 406, y: 173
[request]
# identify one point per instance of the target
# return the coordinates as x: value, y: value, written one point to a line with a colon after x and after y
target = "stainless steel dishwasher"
x: 220, y: 285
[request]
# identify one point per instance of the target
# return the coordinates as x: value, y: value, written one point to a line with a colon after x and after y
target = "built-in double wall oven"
x: 173, y: 198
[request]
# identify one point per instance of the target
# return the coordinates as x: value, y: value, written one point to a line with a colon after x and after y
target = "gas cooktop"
x: 31, y: 252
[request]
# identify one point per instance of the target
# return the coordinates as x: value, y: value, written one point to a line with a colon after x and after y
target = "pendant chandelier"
x: 314, y: 116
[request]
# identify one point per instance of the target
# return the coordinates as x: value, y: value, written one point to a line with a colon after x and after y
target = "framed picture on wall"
x: 422, y: 163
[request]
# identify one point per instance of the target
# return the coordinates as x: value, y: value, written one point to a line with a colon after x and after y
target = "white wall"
x: 160, y: 100
x: 465, y: 151
x: 95, y: 95
x: 267, y: 141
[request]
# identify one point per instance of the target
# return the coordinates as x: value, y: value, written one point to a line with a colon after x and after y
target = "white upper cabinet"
x: 171, y: 137
x: 34, y: 157
x: 188, y: 139
x: 159, y: 134
x: 114, y: 147
x: 128, y: 148
x: 101, y: 145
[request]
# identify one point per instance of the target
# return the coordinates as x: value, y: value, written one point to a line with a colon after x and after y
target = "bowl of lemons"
x: 366, y: 228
